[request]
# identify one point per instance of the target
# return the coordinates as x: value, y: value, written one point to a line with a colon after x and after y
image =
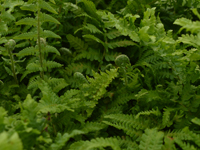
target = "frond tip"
x: 122, y: 60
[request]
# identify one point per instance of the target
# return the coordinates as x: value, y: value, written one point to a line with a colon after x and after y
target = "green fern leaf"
x: 188, y: 25
x: 6, y: 138
x: 155, y: 112
x: 7, y: 17
x: 48, y: 18
x: 196, y: 121
x: 47, y: 33
x: 97, y: 87
x: 77, y: 43
x: 50, y: 65
x: 128, y: 123
x: 93, y: 38
x: 184, y: 145
x: 151, y: 140
x: 113, y: 34
x: 29, y: 7
x: 51, y: 49
x: 90, y: 8
x: 33, y: 67
x: 57, y: 84
x: 91, y: 28
x: 50, y: 102
x: 190, y: 39
x: 91, y: 54
x: 27, y: 51
x: 27, y: 21
x: 122, y: 43
x: 47, y: 7
x: 28, y: 35
x: 96, y: 143
x: 61, y: 140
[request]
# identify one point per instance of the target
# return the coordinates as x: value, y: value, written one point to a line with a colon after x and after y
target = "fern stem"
x: 39, y: 42
x: 13, y: 65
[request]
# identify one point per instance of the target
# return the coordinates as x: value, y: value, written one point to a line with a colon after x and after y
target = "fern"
x: 50, y: 102
x: 77, y: 43
x: 95, y: 143
x: 97, y: 86
x: 151, y: 140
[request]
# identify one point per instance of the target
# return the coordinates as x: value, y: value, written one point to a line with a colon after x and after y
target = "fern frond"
x: 57, y: 84
x: 89, y: 36
x: 166, y: 117
x: 151, y: 140
x: 69, y: 94
x: 123, y: 99
x: 51, y: 49
x: 28, y: 35
x: 193, y: 26
x: 184, y: 145
x: 48, y: 18
x: 93, y: 29
x: 93, y: 126
x: 97, y: 87
x: 7, y: 17
x: 90, y: 9
x: 190, y: 39
x: 113, y: 34
x: 96, y: 143
x: 50, y: 65
x: 121, y: 43
x: 77, y: 43
x: 74, y: 67
x: 126, y: 122
x: 6, y: 138
x: 47, y: 7
x: 50, y: 102
x: 111, y: 55
x: 27, y: 21
x: 62, y: 139
x: 27, y: 51
x: 155, y: 112
x: 196, y: 121
x: 33, y: 67
x: 91, y: 54
x: 29, y: 7
x: 48, y: 33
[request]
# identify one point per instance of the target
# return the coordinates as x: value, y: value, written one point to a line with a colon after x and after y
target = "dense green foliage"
x: 99, y: 75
